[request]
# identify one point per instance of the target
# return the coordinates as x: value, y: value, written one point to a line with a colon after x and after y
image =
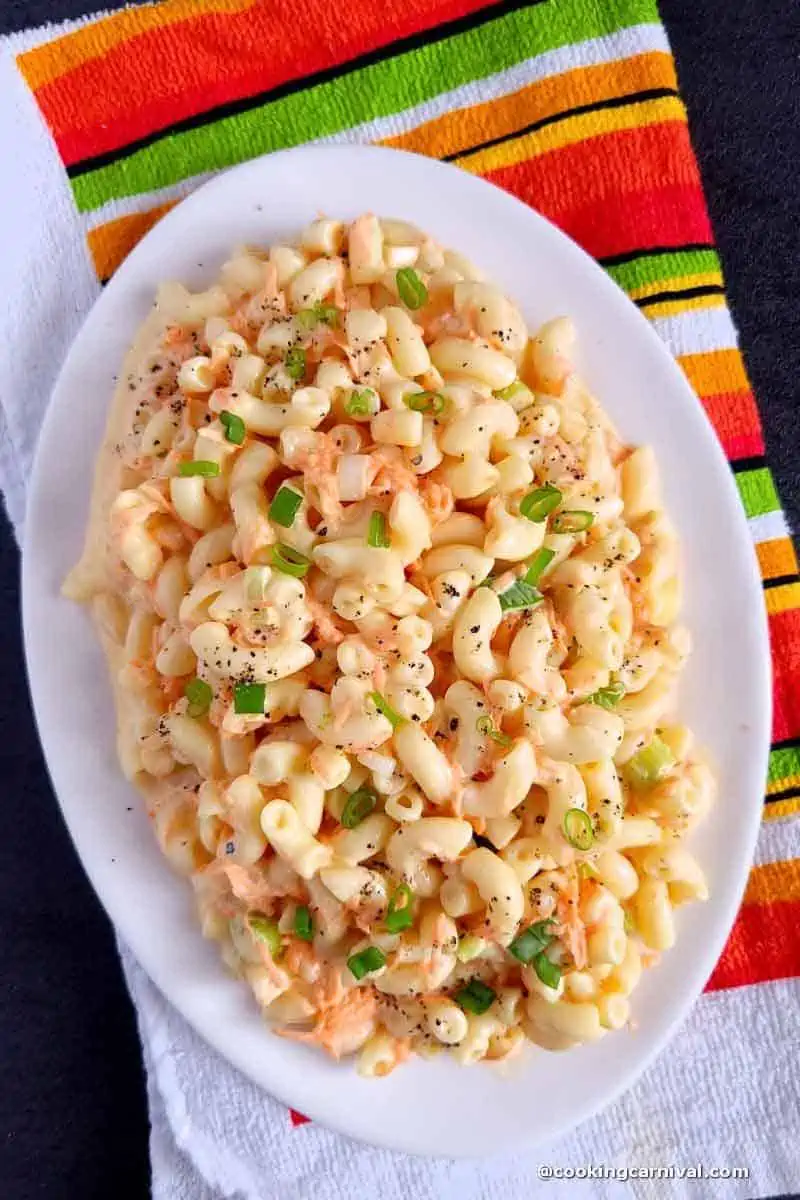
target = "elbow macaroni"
x: 388, y: 715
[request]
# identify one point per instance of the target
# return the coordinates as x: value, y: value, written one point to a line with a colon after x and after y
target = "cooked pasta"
x: 390, y: 613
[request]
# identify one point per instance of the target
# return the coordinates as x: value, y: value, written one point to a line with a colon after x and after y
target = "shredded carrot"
x: 572, y: 927
x: 390, y: 472
x: 341, y: 1027
x: 319, y: 467
x: 299, y: 956
x: 507, y: 631
x: 438, y: 500
x: 249, y: 886
x: 328, y: 625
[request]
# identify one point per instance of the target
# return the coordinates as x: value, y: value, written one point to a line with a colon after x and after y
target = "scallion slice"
x: 289, y: 561
x: 607, y: 697
x: 650, y: 764
x: 363, y: 963
x: 426, y: 402
x: 578, y: 829
x: 520, y: 595
x: 539, y: 503
x: 303, y: 923
x: 532, y: 941
x: 234, y: 427
x: 358, y: 805
x: 572, y: 520
x: 400, y: 913
x: 538, y: 565
x: 411, y: 289
x: 295, y: 362
x: 385, y: 709
x: 508, y: 393
x: 486, y: 726
x: 378, y: 534
x: 266, y: 931
x: 199, y: 694
x: 320, y: 314
x: 548, y: 971
x: 256, y: 580
x: 476, y: 997
x: 470, y: 946
x: 249, y: 698
x: 284, y: 506
x: 306, y: 318
x: 360, y: 403
x: 199, y: 466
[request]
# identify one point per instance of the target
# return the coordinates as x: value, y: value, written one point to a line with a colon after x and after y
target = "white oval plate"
x: 430, y: 1107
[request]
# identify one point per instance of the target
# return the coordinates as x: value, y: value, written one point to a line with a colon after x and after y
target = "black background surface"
x: 73, y: 1119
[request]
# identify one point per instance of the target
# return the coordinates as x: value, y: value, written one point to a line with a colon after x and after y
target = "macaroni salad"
x: 390, y: 612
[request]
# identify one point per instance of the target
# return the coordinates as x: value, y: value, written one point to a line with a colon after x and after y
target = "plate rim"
x: 761, y: 664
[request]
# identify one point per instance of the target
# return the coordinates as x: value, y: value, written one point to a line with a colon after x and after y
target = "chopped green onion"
x: 256, y: 578
x: 628, y: 923
x: 266, y: 931
x: 587, y: 871
x: 607, y: 697
x: 650, y: 764
x: 199, y: 694
x: 200, y: 466
x: 572, y: 520
x: 378, y: 535
x: 400, y: 914
x: 538, y: 565
x: 385, y: 709
x: 548, y: 971
x: 539, y: 503
x: 248, y: 698
x: 289, y: 561
x: 358, y: 805
x: 425, y: 402
x: 532, y: 941
x: 476, y: 997
x: 520, y: 595
x: 233, y: 426
x: 306, y: 318
x: 486, y: 725
x: 284, y: 506
x: 303, y: 924
x: 513, y: 389
x: 542, y: 930
x: 470, y: 946
x: 320, y: 314
x: 578, y: 829
x: 360, y: 403
x: 410, y: 287
x: 295, y: 362
x: 371, y: 959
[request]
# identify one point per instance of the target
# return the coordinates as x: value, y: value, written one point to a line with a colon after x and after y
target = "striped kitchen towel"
x: 573, y: 106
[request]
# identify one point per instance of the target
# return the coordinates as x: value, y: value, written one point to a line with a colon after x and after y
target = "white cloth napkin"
x: 725, y: 1094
